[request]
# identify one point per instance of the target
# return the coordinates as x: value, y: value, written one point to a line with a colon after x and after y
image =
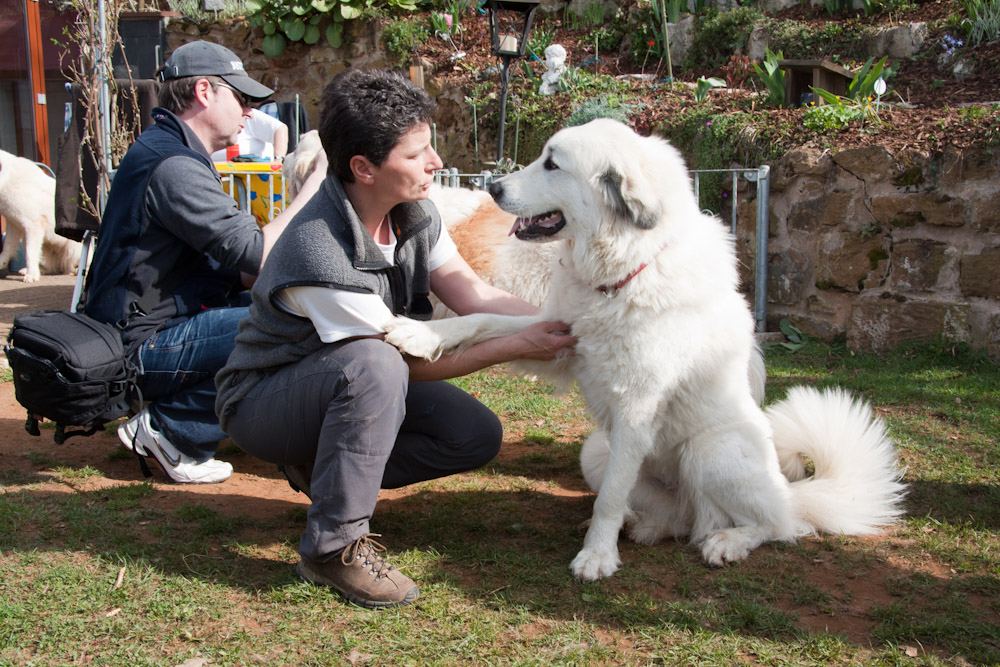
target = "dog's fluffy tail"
x: 855, y: 489
x: 60, y: 254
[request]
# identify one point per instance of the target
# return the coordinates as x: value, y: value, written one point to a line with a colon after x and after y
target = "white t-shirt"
x: 256, y: 137
x: 338, y: 314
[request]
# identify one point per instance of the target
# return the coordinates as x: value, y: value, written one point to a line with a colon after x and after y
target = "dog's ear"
x: 624, y: 197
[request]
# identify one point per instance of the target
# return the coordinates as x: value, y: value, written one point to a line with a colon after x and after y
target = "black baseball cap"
x: 203, y: 58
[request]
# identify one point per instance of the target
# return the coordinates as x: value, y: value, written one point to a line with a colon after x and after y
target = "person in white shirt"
x: 311, y: 384
x: 262, y: 135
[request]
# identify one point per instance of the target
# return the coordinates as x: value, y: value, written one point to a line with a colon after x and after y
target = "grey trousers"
x: 351, y: 410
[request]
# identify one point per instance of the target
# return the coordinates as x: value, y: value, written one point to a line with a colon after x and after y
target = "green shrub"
x: 673, y: 8
x: 717, y: 141
x: 194, y: 9
x: 857, y: 103
x: 799, y: 41
x: 539, y: 40
x: 773, y: 77
x: 582, y: 84
x: 401, y: 37
x: 645, y: 35
x: 607, y: 38
x: 984, y: 20
x: 720, y: 34
x: 532, y: 118
x: 600, y: 107
x: 306, y: 21
x: 438, y: 24
x: 862, y: 86
x: 704, y: 85
x: 831, y: 117
x: 592, y: 16
x: 837, y: 6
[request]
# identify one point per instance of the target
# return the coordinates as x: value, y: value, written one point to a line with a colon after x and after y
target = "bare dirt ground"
x: 255, y: 488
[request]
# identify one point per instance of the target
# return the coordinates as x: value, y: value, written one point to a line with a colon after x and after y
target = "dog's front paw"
x: 725, y: 546
x: 30, y: 276
x: 413, y: 338
x: 593, y: 565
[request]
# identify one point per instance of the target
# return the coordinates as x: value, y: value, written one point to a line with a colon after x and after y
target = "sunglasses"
x: 244, y: 99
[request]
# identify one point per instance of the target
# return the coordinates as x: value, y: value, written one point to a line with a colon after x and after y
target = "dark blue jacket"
x: 171, y: 242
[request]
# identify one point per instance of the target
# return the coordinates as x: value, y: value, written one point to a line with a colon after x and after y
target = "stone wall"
x: 885, y: 248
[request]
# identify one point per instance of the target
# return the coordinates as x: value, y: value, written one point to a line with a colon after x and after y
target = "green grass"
x: 491, y: 550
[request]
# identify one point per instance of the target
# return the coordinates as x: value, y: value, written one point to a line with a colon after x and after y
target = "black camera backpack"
x: 70, y: 369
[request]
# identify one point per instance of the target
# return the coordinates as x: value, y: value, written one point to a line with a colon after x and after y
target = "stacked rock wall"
x: 886, y: 248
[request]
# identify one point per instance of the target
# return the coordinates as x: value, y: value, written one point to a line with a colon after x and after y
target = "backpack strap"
x: 134, y: 384
x: 62, y: 435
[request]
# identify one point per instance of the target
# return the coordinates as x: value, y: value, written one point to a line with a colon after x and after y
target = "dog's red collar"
x: 611, y: 290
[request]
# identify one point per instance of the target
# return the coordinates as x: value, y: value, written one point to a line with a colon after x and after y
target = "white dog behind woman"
x: 27, y: 203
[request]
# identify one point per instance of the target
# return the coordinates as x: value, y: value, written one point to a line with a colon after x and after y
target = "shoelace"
x: 369, y: 550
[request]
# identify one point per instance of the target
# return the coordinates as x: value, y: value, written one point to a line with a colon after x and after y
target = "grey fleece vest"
x: 326, y: 245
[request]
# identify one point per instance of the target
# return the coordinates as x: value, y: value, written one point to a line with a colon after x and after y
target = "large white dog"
x: 27, y: 203
x: 649, y: 285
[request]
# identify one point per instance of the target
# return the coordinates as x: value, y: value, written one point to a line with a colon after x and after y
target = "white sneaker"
x: 139, y: 436
x: 126, y: 433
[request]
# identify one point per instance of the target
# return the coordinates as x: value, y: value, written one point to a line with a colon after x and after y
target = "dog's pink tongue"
x: 517, y: 224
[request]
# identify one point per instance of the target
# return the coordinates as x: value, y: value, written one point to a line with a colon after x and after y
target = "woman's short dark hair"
x: 176, y: 95
x: 366, y: 112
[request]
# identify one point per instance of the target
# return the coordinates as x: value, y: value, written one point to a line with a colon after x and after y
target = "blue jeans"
x: 177, y: 369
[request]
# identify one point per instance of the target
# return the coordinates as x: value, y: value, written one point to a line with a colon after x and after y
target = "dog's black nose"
x: 496, y: 189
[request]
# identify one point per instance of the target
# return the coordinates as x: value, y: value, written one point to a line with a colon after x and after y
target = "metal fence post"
x: 760, y: 284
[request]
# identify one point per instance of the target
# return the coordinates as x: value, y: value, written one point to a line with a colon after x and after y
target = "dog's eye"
x: 550, y: 165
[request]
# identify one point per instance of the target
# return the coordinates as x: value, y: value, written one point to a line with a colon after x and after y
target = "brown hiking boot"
x: 362, y: 575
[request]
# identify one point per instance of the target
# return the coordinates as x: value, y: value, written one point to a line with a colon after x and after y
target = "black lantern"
x: 510, y: 23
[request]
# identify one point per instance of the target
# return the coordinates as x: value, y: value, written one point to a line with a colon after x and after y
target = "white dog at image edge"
x: 649, y: 285
x: 27, y: 203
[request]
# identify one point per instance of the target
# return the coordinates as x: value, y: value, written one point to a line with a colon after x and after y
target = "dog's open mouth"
x: 538, y: 226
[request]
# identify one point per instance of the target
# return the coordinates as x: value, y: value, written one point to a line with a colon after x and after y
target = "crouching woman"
x: 312, y: 386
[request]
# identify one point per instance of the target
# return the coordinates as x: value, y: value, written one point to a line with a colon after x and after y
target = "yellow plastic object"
x: 256, y: 186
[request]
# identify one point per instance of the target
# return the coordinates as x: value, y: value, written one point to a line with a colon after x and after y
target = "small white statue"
x: 555, y: 65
